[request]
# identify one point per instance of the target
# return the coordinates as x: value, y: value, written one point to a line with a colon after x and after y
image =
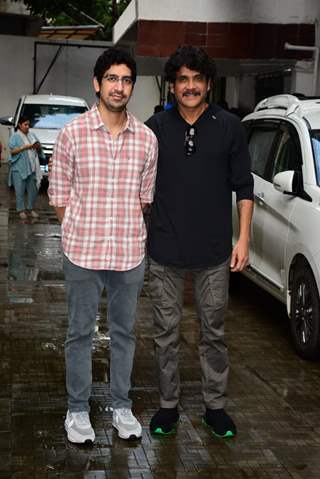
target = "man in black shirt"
x: 203, y: 156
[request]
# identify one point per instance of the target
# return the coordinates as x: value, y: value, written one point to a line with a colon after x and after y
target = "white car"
x: 47, y: 115
x: 284, y: 144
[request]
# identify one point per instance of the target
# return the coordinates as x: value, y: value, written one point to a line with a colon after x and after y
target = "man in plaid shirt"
x: 103, y: 174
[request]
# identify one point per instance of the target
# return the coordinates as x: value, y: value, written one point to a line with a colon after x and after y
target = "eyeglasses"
x: 189, y: 140
x: 113, y: 79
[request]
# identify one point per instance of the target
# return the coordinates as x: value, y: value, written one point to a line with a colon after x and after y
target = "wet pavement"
x: 274, y: 396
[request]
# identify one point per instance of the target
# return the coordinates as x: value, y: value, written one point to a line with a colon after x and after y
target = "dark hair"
x: 194, y: 58
x: 22, y: 119
x: 114, y: 56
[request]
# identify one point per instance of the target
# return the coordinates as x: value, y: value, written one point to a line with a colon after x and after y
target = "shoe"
x: 126, y: 423
x: 78, y: 427
x: 34, y: 214
x: 23, y: 215
x: 165, y: 421
x: 219, y: 422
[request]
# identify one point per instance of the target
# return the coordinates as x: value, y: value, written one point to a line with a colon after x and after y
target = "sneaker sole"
x: 226, y: 435
x: 76, y: 438
x: 130, y: 437
x: 160, y: 432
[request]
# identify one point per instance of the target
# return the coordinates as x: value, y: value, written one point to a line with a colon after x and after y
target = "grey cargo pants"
x: 211, y: 293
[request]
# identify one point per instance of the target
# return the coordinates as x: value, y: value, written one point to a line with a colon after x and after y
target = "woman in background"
x: 25, y: 174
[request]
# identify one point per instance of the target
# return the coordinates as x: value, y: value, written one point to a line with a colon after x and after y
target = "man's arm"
x: 60, y: 210
x: 240, y: 252
x: 61, y: 174
x: 149, y: 174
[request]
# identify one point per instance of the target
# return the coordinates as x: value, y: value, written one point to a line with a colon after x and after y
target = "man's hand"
x: 240, y: 252
x: 240, y: 256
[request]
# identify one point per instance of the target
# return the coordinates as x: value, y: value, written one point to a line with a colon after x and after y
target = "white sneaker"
x: 34, y: 214
x: 78, y: 427
x: 126, y: 423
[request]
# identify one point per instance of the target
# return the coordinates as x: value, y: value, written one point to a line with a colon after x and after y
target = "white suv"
x: 284, y: 144
x: 47, y: 115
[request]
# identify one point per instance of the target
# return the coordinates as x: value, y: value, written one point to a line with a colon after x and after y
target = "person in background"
x: 102, y: 176
x: 158, y: 108
x: 25, y: 173
x: 203, y: 157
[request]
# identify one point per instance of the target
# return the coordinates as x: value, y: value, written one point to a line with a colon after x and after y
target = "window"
x: 261, y: 144
x: 315, y: 138
x: 288, y: 155
x: 51, y: 116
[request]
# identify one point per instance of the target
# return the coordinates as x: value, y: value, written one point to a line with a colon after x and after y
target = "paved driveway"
x: 274, y: 396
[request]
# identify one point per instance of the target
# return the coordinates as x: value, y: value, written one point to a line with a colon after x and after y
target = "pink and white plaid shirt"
x: 102, y: 182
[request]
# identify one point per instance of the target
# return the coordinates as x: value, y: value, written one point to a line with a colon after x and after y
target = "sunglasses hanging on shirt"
x: 189, y: 140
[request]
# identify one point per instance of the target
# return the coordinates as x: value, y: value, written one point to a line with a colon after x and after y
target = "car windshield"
x: 315, y: 138
x: 52, y: 117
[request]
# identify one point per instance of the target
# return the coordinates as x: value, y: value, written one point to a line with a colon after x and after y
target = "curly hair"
x: 114, y: 56
x: 194, y: 58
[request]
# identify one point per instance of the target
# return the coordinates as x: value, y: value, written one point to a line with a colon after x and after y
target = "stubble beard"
x: 115, y: 108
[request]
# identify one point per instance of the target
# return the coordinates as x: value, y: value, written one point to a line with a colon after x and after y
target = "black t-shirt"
x: 191, y: 216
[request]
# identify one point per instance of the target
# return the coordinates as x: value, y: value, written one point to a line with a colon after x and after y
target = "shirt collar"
x: 96, y: 121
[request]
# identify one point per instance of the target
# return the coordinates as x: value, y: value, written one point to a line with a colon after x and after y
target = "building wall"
x: 145, y: 97
x: 237, y: 11
x: 224, y: 40
x: 71, y: 75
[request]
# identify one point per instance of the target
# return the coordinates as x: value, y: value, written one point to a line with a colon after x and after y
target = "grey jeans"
x: 84, y: 288
x: 211, y: 294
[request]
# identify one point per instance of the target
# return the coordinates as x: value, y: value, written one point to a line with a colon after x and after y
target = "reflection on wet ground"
x: 273, y: 395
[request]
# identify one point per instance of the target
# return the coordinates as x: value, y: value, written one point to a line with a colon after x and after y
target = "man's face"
x: 116, y: 87
x: 190, y: 88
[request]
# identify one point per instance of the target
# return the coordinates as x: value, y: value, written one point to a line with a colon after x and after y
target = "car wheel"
x: 305, y: 313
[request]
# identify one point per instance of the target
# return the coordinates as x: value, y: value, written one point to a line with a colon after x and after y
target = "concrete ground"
x: 274, y: 396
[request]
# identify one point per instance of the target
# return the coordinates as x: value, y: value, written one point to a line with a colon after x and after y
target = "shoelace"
x: 81, y: 418
x: 125, y: 412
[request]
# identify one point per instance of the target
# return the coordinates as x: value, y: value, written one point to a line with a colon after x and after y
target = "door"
x: 273, y: 210
x: 262, y: 138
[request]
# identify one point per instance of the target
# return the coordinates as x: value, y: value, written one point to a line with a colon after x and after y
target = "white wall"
x: 302, y: 78
x: 127, y: 18
x: 71, y: 75
x: 145, y: 96
x: 257, y: 11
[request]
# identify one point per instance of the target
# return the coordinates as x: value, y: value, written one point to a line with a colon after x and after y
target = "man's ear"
x: 96, y: 85
x: 171, y: 88
x: 210, y: 85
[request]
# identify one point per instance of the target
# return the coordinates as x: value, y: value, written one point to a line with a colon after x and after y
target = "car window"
x: 262, y: 139
x: 288, y: 153
x: 315, y: 137
x: 53, y: 117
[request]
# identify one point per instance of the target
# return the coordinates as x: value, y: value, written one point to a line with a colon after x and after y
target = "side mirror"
x: 6, y: 120
x: 290, y: 183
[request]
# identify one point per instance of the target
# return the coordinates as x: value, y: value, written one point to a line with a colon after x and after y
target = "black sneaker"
x: 219, y: 422
x: 165, y: 421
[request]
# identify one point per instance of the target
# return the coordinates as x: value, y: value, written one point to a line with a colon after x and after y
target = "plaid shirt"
x: 102, y: 182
